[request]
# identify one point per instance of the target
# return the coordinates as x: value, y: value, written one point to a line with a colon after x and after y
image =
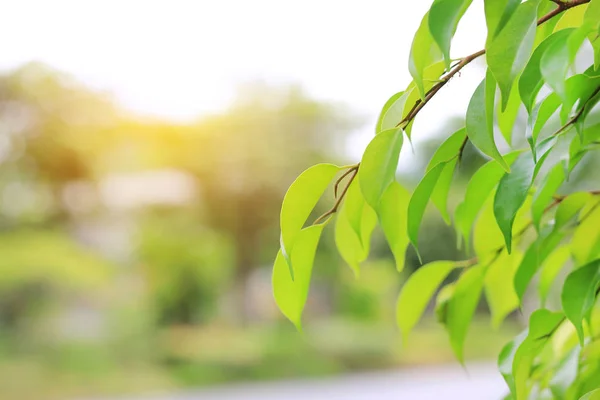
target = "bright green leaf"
x: 506, y: 359
x: 418, y: 202
x: 593, y: 395
x: 443, y: 20
x: 393, y: 211
x: 417, y: 291
x: 531, y: 80
x: 393, y: 111
x: 569, y: 207
x: 480, y: 121
x: 545, y: 194
x: 509, y: 52
x: 586, y: 238
x: 480, y: 186
x: 506, y: 119
x: 511, y: 194
x: 550, y: 269
x: 290, y: 295
x: 497, y: 14
x: 378, y: 167
x: 566, y: 373
x: 299, y: 201
x: 579, y: 293
x: 538, y: 117
x: 499, y: 289
x: 462, y: 305
x: 423, y: 53
x: 571, y: 18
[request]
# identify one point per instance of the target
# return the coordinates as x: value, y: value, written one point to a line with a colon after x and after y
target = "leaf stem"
x: 338, y: 201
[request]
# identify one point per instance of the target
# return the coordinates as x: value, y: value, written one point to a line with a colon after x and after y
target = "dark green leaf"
x: 545, y: 194
x: 478, y: 190
x: 579, y: 293
x: 393, y: 211
x: 462, y: 305
x: 443, y: 20
x: 417, y: 292
x: 290, y: 295
x: 531, y: 81
x: 423, y: 53
x: 299, y: 201
x: 508, y: 52
x: 378, y: 166
x: 480, y: 120
x: 511, y: 194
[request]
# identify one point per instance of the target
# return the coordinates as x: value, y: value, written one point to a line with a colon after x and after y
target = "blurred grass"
x: 192, y: 357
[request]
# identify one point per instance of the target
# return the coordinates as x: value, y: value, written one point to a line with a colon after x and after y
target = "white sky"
x: 183, y: 58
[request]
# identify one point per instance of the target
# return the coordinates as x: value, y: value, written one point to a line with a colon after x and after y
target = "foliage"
x: 519, y: 207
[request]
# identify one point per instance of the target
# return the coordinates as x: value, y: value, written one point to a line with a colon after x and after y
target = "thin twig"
x: 341, y: 178
x: 337, y: 203
x: 578, y: 114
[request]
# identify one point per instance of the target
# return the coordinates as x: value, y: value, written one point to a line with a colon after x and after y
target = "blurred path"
x: 480, y: 382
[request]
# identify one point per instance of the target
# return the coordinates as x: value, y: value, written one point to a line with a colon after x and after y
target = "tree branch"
x: 578, y: 114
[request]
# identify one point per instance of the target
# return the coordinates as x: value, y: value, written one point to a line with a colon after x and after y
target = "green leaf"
x: 506, y: 359
x: 579, y: 293
x: 499, y: 289
x: 354, y: 225
x: 507, y: 118
x: 417, y: 291
x: 497, y: 14
x: 557, y: 58
x: 290, y: 295
x: 566, y: 373
x: 550, y: 269
x: 393, y: 211
x: 299, y: 201
x: 586, y: 238
x: 531, y: 80
x: 571, y: 18
x: 418, y: 202
x: 545, y: 194
x: 423, y: 53
x: 511, y: 194
x: 569, y: 207
x: 447, y: 152
x: 595, y: 41
x: 534, y: 257
x: 509, y: 52
x: 593, y: 395
x: 462, y: 305
x: 592, y: 13
x: 579, y: 89
x: 393, y: 111
x: 542, y: 324
x: 480, y: 186
x: 443, y: 20
x: 378, y: 166
x: 538, y: 117
x: 480, y: 120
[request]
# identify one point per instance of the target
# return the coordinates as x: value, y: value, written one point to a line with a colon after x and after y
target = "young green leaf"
x: 423, y: 53
x: 566, y: 374
x: 431, y: 76
x: 550, y: 269
x: 479, y: 120
x: 545, y: 194
x: 506, y: 119
x: 586, y: 238
x: 443, y: 20
x: 299, y: 201
x: 378, y: 167
x: 506, y: 359
x: 354, y: 225
x: 542, y: 324
x: 497, y: 14
x: 579, y: 294
x: 534, y: 257
x: 538, y: 117
x: 511, y: 194
x: 508, y: 52
x: 462, y: 305
x: 593, y: 395
x: 393, y: 211
x: 290, y: 295
x: 571, y: 18
x: 417, y: 291
x: 418, y: 202
x: 557, y: 58
x: 569, y: 207
x: 478, y: 190
x: 499, y: 289
x: 531, y: 80
x: 393, y: 111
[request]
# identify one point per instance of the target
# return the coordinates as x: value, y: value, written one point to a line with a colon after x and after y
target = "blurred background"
x: 145, y: 148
